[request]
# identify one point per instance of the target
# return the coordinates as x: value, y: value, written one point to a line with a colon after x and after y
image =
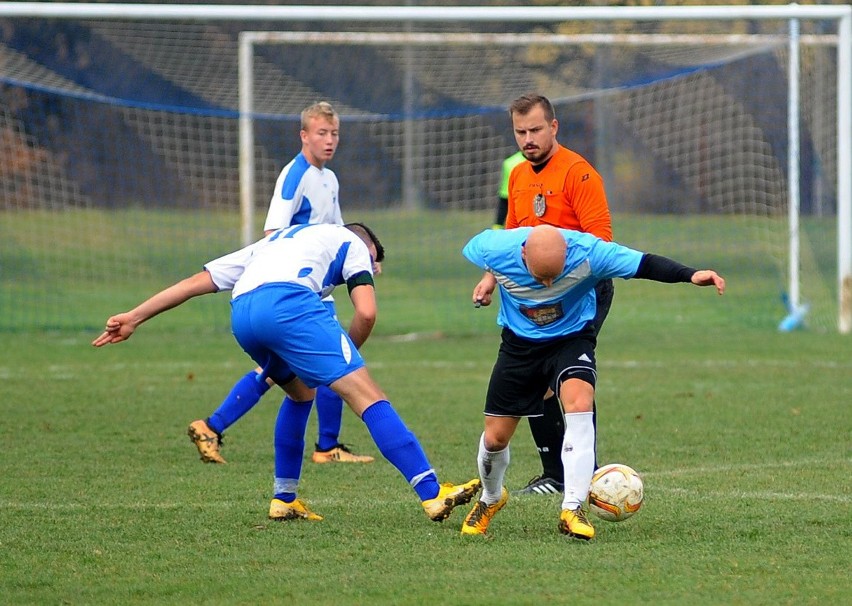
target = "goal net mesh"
x: 119, y: 155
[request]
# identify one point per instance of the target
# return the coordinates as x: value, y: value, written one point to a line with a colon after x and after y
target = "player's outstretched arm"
x: 662, y: 269
x: 708, y: 277
x: 121, y: 326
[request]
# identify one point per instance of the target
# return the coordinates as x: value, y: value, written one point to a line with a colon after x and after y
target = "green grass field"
x: 743, y: 436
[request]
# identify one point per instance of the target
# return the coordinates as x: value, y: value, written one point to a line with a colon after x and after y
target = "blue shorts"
x: 289, y: 332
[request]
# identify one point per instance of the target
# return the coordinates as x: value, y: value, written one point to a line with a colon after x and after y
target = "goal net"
x: 121, y: 139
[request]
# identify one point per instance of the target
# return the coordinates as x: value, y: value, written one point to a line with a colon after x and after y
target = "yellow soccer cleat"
x: 449, y: 497
x: 207, y: 441
x: 339, y: 454
x: 480, y: 516
x: 574, y: 523
x: 297, y: 510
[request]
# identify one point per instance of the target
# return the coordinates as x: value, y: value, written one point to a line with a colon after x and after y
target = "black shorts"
x: 604, y: 291
x: 525, y: 369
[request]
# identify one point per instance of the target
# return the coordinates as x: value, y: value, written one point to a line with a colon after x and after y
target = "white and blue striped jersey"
x: 318, y: 257
x: 533, y: 311
x: 304, y: 194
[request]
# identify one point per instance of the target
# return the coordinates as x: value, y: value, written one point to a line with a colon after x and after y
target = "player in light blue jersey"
x: 306, y: 192
x: 278, y: 318
x: 546, y: 279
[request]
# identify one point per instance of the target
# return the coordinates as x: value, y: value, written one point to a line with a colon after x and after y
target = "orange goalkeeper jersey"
x: 567, y: 193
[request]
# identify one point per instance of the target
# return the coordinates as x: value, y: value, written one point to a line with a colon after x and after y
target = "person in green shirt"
x: 503, y: 193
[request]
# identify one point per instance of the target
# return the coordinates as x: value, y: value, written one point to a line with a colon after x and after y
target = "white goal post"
x: 399, y: 16
x: 794, y: 13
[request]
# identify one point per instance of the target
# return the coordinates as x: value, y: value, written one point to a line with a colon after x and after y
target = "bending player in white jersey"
x: 306, y: 192
x: 278, y: 318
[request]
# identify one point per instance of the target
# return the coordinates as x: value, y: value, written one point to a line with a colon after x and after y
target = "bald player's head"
x: 544, y: 253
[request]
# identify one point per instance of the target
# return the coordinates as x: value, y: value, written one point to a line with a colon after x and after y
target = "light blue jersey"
x: 533, y: 311
x: 304, y: 194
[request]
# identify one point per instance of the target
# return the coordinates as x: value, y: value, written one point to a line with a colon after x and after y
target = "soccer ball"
x: 616, y: 492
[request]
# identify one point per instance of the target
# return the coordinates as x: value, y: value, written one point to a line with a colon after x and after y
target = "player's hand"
x: 377, y: 268
x: 482, y: 292
x: 118, y: 328
x: 708, y: 277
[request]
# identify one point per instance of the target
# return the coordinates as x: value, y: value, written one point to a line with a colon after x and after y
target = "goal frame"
x: 249, y: 39
x: 797, y: 311
x: 793, y: 13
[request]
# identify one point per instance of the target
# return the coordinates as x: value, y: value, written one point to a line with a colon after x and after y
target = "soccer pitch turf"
x: 743, y: 445
x: 742, y: 436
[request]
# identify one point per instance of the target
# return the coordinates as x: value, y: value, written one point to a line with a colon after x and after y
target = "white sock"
x: 492, y: 469
x: 578, y: 458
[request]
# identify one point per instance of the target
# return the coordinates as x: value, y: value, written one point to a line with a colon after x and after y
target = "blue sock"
x: 244, y: 395
x: 290, y: 447
x: 399, y: 446
x: 329, y: 416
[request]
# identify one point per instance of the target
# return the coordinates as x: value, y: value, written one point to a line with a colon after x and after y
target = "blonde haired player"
x: 306, y: 193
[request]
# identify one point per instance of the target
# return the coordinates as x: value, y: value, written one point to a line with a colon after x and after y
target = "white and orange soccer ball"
x: 616, y: 492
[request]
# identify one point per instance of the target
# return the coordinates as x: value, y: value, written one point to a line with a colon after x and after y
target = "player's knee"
x: 495, y: 445
x: 358, y: 390
x: 577, y: 391
x: 577, y: 406
x: 299, y: 392
x: 497, y: 438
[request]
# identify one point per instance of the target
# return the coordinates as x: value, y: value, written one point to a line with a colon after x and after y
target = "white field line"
x: 69, y: 371
x: 745, y: 495
x: 740, y: 495
x: 744, y: 467
x: 318, y: 502
x: 732, y: 495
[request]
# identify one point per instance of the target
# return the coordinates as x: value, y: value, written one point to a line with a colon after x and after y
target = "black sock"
x: 548, y: 431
